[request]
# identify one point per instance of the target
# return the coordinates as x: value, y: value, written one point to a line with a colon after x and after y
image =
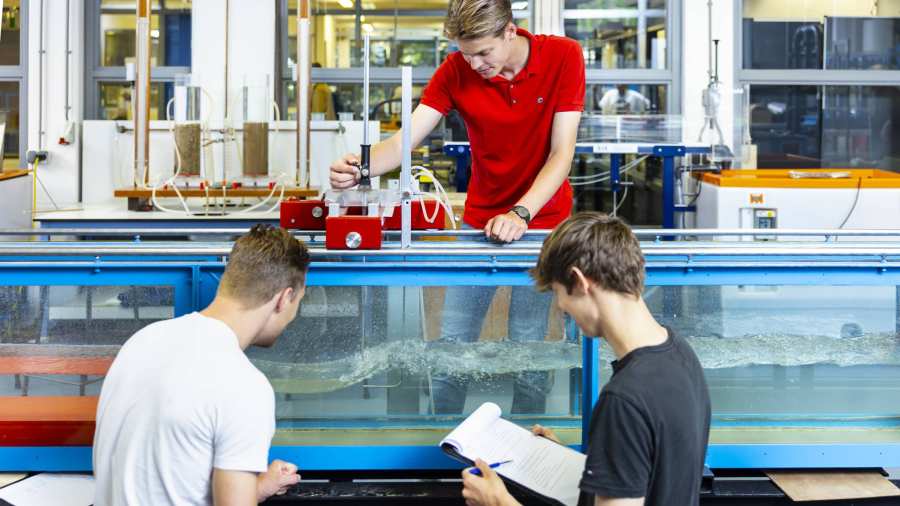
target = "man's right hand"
x: 345, y: 172
x: 276, y: 481
x: 539, y: 430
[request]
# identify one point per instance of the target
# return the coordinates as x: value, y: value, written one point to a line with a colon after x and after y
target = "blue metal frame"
x: 195, y: 279
x: 668, y: 152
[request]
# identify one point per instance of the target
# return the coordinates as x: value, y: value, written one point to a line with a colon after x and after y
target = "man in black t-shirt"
x: 650, y: 427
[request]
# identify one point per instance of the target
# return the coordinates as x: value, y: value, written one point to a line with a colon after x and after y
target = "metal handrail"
x: 640, y: 232
x: 687, y: 249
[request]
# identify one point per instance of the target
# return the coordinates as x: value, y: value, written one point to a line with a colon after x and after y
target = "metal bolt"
x: 353, y: 240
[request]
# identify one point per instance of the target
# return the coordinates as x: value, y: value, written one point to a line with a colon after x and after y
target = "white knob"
x: 353, y: 240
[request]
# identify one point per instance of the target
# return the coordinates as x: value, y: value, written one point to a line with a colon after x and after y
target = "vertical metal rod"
x: 302, y: 88
x: 709, y: 38
x: 68, y: 55
x: 406, y: 163
x: 227, y: 9
x: 41, y: 52
x: 142, y: 91
x: 365, y: 182
x: 366, y: 90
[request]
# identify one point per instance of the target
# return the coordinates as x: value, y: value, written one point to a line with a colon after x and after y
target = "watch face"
x: 522, y: 213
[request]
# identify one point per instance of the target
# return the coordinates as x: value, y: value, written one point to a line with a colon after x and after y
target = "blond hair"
x: 263, y: 262
x: 602, y: 247
x: 474, y: 19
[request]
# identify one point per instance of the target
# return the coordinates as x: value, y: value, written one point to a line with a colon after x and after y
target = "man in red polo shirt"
x: 520, y: 96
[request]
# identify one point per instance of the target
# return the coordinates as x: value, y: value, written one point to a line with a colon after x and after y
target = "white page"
x: 541, y: 465
x: 470, y: 430
x: 55, y: 489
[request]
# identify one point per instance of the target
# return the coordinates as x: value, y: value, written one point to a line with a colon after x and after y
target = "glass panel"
x: 826, y: 126
x: 11, y: 30
x: 376, y: 354
x: 9, y: 117
x: 822, y: 360
x: 631, y: 99
x: 616, y: 34
x: 413, y: 35
x: 170, y: 33
x: 60, y: 340
x: 346, y: 99
x: 623, y: 113
x: 815, y: 34
x: 115, y: 100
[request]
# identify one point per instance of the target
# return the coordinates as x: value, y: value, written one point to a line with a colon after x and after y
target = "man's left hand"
x: 485, y: 490
x: 506, y: 227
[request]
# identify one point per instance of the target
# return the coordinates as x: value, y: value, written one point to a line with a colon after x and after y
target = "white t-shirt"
x: 632, y: 103
x: 180, y: 399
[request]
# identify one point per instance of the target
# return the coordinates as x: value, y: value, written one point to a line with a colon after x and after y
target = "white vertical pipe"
x: 366, y: 90
x: 303, y: 81
x: 406, y: 164
x: 142, y: 100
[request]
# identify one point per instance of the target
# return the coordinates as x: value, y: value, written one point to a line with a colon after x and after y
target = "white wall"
x: 60, y: 174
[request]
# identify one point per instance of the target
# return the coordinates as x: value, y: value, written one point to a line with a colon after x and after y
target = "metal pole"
x: 41, y: 52
x: 68, y: 55
x: 366, y: 90
x: 142, y: 92
x: 406, y: 164
x: 365, y: 182
x: 302, y: 90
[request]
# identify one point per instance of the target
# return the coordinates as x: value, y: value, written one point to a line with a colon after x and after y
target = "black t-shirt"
x: 650, y: 428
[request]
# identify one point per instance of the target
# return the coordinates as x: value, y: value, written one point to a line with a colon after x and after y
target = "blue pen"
x: 495, y: 465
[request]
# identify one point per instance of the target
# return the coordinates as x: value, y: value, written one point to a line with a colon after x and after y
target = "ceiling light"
x: 368, y: 28
x: 347, y: 4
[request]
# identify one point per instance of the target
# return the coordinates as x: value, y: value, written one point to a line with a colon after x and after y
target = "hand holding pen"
x: 495, y: 465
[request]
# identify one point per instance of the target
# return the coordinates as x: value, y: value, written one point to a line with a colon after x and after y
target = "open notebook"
x: 538, y: 464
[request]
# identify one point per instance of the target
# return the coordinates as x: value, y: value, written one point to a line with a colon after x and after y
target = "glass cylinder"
x: 188, y: 130
x: 256, y: 107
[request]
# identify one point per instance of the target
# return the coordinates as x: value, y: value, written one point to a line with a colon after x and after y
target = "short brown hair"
x: 474, y: 19
x: 263, y: 262
x: 602, y: 247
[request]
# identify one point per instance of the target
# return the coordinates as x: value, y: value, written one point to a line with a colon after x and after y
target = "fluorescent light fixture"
x: 347, y: 4
x: 369, y: 6
x: 519, y: 6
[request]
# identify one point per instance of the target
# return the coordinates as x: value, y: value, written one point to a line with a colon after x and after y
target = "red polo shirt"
x: 509, y: 124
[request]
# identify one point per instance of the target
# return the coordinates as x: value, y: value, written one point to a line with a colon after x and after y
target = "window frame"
x: 95, y: 74
x: 745, y: 77
x: 19, y: 74
x: 354, y: 75
x: 670, y: 77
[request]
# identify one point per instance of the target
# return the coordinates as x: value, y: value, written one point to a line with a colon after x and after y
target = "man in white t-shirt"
x: 184, y: 417
x: 621, y: 100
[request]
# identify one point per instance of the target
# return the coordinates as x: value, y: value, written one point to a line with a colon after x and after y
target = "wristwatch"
x: 522, y: 212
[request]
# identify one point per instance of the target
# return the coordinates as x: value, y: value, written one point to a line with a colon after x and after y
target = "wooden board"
x: 47, y: 421
x: 833, y: 485
x: 261, y: 192
x: 12, y: 174
x: 9, y: 478
x: 92, y: 366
